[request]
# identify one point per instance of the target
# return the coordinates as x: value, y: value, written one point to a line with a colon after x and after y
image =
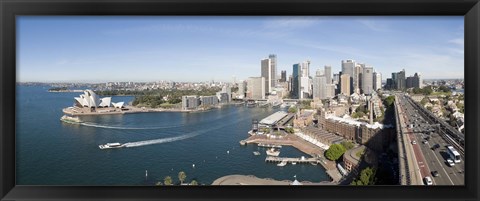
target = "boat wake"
x: 91, y: 124
x: 128, y: 128
x: 181, y: 137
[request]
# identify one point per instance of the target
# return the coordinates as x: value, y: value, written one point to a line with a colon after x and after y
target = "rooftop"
x: 274, y: 118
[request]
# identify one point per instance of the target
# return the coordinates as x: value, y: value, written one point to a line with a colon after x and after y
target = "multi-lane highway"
x: 423, y: 135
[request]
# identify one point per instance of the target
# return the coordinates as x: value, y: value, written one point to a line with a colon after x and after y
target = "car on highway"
x: 414, y: 142
x: 450, y: 162
x: 424, y: 142
x: 436, y: 146
x: 435, y: 173
x: 428, y: 180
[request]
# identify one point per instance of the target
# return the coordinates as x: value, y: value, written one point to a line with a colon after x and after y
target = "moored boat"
x: 283, y: 163
x: 273, y: 152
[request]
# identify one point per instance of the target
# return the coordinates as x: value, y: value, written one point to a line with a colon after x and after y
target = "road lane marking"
x: 442, y: 168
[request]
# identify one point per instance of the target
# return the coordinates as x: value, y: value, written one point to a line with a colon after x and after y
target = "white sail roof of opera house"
x: 90, y: 99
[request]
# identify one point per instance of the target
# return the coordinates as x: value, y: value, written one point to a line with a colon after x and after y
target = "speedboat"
x: 256, y: 153
x: 111, y: 145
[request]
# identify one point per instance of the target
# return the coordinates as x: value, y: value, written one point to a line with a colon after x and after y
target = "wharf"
x: 290, y: 160
x: 302, y: 145
x: 73, y: 111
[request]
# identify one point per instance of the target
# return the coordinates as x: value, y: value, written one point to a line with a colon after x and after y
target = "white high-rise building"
x: 241, y: 89
x: 367, y: 80
x: 256, y: 88
x: 319, y: 87
x: 304, y: 86
x: 358, y: 78
x: 377, y: 81
x: 330, y: 90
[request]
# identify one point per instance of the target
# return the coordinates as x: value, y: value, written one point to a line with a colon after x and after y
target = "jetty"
x: 313, y: 150
x: 275, y: 159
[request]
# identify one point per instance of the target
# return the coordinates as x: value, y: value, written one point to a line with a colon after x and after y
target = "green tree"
x: 292, y: 110
x: 424, y: 101
x: 366, y: 177
x: 289, y: 130
x: 334, y: 152
x: 168, y: 180
x: 347, y: 144
x: 182, y: 176
x: 389, y: 100
x: 194, y: 183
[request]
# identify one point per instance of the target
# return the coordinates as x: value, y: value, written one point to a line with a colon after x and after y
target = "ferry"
x: 69, y: 119
x: 111, y: 145
x: 273, y: 152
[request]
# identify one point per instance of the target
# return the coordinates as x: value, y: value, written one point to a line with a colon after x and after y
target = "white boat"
x: 111, y: 145
x: 273, y: 152
x: 283, y: 163
x: 294, y: 163
x: 256, y: 153
x: 69, y: 119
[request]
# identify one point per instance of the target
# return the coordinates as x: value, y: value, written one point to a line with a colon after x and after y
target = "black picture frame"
x: 9, y: 9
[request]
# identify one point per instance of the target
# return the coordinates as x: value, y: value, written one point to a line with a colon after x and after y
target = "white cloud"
x: 374, y: 25
x: 291, y: 22
x: 457, y: 41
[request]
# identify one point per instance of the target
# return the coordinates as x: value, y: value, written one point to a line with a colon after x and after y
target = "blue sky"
x: 100, y: 49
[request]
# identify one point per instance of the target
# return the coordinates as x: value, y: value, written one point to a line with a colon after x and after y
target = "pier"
x: 276, y: 159
x: 306, y: 147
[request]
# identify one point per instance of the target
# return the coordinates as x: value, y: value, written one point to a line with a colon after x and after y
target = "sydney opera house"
x: 91, y: 100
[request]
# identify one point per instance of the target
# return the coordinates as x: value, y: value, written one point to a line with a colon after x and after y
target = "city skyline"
x: 142, y: 49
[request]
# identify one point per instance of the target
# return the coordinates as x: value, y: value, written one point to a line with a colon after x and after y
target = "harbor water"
x: 204, y: 145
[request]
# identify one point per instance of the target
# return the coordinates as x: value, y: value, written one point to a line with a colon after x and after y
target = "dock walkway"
x: 302, y: 145
x: 290, y: 160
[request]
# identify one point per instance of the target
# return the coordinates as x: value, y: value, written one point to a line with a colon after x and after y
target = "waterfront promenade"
x: 252, y: 180
x: 73, y: 111
x: 302, y: 145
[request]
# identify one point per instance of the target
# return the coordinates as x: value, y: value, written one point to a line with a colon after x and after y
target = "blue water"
x: 50, y: 152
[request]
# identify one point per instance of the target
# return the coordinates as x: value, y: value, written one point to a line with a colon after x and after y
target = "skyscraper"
x: 377, y: 81
x: 304, y: 81
x: 418, y: 82
x: 401, y: 80
x: 328, y: 74
x: 284, y: 76
x: 301, y: 84
x: 269, y: 70
x: 296, y: 80
x: 267, y: 74
x: 273, y: 62
x: 367, y: 80
x: 319, y: 87
x: 256, y: 88
x: 345, y: 84
x: 348, y: 69
x: 357, y: 78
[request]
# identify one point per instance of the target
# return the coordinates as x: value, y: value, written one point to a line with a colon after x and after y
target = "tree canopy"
x: 168, y: 180
x: 182, y: 176
x: 335, y: 152
x: 366, y: 177
x: 347, y: 144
